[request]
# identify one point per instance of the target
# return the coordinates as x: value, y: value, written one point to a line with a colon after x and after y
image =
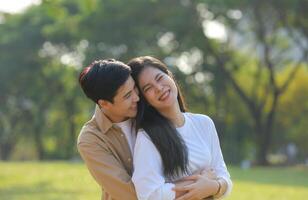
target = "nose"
x: 158, y: 87
x: 135, y: 95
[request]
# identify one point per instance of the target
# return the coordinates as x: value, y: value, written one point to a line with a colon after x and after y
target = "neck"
x: 114, y: 118
x: 174, y: 114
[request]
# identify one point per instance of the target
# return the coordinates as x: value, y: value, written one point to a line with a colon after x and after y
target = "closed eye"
x: 159, y: 78
x: 127, y: 95
x: 147, y: 88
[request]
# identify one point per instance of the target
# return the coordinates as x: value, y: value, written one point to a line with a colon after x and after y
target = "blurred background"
x: 242, y: 62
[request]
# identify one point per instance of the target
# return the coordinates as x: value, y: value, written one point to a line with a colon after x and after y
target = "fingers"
x: 209, y: 173
x: 183, y: 188
x: 187, y: 196
x: 191, y: 178
x: 209, y: 170
x: 198, y: 172
x: 212, y: 174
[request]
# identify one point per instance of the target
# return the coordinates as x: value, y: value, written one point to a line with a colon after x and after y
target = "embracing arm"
x: 108, y: 172
x: 202, y: 186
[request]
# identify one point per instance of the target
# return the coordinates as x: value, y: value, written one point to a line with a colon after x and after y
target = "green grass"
x: 64, y: 180
x: 46, y: 181
x: 270, y: 183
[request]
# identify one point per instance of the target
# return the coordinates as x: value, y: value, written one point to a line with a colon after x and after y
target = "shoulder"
x: 145, y: 150
x: 89, y: 134
x: 143, y: 141
x: 200, y: 118
x: 142, y: 136
x: 205, y: 124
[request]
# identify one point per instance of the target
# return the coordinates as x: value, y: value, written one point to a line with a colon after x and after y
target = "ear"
x: 104, y: 104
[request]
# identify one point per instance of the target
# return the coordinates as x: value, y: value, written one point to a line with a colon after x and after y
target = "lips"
x: 164, y: 96
x: 134, y: 107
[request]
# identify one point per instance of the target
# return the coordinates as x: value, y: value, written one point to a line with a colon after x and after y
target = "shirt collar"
x: 102, y: 120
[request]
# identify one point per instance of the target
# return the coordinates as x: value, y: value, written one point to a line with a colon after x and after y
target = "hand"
x: 204, y: 186
x: 210, y: 173
x: 181, y: 183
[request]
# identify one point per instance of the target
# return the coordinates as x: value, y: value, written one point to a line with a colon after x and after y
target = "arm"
x: 218, y: 164
x: 190, y: 180
x: 206, y: 185
x: 181, y: 184
x: 108, y: 172
x: 148, y: 175
x: 202, y: 187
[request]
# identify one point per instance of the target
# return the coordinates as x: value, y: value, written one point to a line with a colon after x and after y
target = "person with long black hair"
x: 173, y: 145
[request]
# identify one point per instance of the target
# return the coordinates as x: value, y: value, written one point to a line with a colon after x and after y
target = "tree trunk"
x: 6, y: 150
x: 262, y: 150
x: 39, y: 143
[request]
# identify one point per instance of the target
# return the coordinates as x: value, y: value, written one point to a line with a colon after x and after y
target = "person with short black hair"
x: 106, y: 142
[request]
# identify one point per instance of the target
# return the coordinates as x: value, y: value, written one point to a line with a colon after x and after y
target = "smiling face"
x: 124, y: 104
x: 158, y: 88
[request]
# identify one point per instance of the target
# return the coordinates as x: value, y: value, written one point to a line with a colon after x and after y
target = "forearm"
x: 182, y: 183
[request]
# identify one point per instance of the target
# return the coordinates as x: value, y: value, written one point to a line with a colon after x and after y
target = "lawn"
x: 64, y: 180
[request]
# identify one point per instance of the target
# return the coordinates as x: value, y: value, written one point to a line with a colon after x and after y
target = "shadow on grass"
x: 296, y: 177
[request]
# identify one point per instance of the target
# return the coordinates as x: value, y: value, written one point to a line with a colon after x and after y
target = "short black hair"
x: 102, y: 78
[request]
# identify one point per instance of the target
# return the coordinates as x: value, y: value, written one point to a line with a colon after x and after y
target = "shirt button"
x: 122, y: 135
x: 129, y: 159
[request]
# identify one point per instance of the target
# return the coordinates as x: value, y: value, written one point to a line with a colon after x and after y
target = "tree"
x: 275, y: 33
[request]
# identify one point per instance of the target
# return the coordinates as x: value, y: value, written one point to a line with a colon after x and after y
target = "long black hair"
x: 162, y: 132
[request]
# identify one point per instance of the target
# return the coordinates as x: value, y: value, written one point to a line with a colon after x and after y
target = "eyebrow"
x: 129, y: 92
x: 156, y: 77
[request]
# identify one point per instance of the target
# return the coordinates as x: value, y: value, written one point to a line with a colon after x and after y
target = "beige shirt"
x: 105, y: 150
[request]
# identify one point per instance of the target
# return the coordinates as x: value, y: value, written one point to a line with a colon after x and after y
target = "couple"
x: 141, y: 143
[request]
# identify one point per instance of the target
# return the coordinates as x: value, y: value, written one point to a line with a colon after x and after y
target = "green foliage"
x: 291, y: 124
x: 42, y: 52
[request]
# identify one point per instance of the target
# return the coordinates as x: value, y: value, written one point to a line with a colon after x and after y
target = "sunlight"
x: 215, y: 30
x: 16, y: 6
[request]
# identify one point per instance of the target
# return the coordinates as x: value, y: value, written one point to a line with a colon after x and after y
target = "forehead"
x: 148, y: 73
x: 125, y: 88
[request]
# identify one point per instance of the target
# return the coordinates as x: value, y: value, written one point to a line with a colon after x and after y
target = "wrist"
x: 220, y: 190
x: 218, y: 187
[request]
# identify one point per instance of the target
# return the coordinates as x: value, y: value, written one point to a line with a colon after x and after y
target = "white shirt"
x: 200, y: 137
x: 129, y: 132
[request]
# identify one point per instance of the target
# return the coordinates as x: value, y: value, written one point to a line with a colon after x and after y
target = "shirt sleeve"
x: 218, y: 162
x: 108, y: 172
x: 148, y: 175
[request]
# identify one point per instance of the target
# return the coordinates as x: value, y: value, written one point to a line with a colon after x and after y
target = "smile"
x: 164, y: 96
x: 134, y: 107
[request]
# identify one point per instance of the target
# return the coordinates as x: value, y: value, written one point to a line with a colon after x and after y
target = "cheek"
x: 149, y: 96
x: 174, y: 88
x: 124, y: 105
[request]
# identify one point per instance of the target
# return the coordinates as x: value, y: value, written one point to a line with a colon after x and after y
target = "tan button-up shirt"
x: 105, y: 150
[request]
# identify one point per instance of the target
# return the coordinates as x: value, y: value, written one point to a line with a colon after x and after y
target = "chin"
x: 164, y: 105
x: 170, y: 102
x: 132, y: 115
